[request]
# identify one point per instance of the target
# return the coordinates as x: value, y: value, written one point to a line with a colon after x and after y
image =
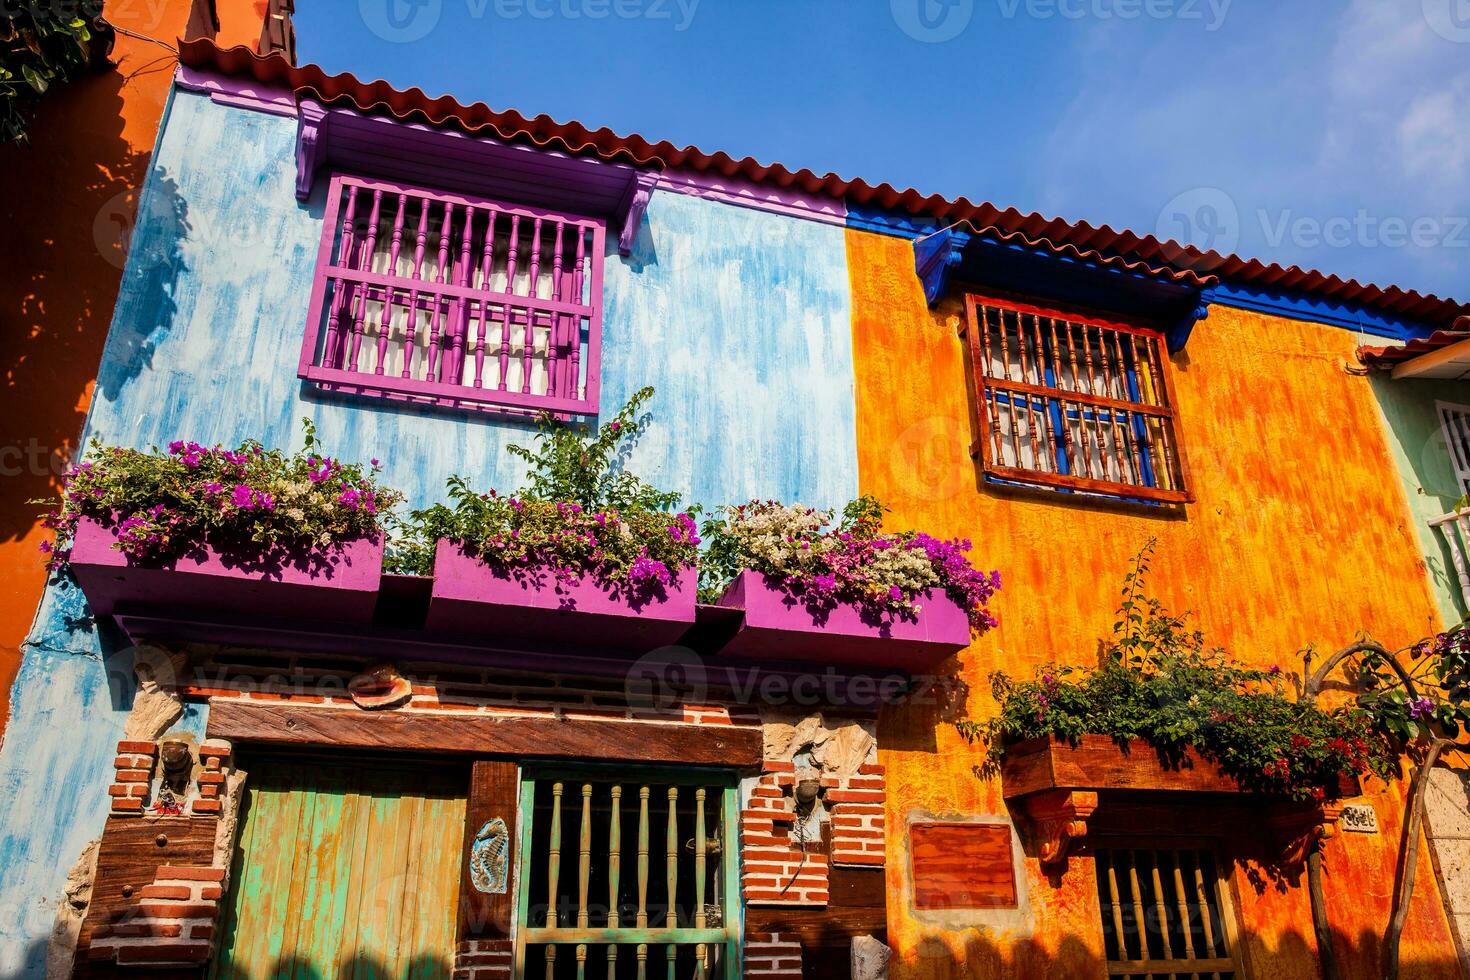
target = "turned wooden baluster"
x: 342, y: 291
x: 554, y: 336
x: 411, y: 330
x: 584, y: 872
x: 437, y: 354
x: 553, y: 873
x: 614, y: 873
x: 487, y: 266
x: 533, y: 287
x: 699, y: 872
x: 395, y: 247
x: 370, y: 245
x: 642, y: 918
x: 671, y: 917
x: 459, y: 325
x: 508, y: 320
x: 572, y: 388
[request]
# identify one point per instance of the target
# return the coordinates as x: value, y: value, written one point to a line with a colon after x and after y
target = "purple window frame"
x: 340, y: 277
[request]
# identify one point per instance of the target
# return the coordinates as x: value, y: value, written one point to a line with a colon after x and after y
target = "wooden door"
x: 345, y: 871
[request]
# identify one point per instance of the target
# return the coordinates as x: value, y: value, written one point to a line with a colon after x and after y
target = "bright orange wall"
x: 71, y: 195
x: 1300, y: 536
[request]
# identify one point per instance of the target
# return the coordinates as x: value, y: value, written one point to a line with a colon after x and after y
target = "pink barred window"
x: 455, y: 301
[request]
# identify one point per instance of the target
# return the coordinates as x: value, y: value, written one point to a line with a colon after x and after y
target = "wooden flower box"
x: 1097, y: 762
x: 778, y: 625
x: 338, y: 583
x: 473, y: 598
x: 1059, y: 786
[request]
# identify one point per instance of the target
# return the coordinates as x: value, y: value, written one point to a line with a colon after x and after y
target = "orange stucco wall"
x: 72, y: 191
x: 1300, y: 536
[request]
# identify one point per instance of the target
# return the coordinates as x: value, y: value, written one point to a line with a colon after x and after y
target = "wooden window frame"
x: 1450, y: 415
x: 344, y: 284
x: 1224, y: 890
x: 728, y: 935
x: 986, y: 388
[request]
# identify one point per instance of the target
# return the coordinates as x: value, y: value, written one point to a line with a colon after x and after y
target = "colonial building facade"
x: 258, y: 772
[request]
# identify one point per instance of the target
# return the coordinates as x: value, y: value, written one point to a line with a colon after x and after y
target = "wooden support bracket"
x: 1059, y: 818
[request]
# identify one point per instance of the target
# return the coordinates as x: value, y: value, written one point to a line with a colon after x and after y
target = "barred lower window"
x: 1455, y: 419
x: 1072, y: 402
x: 453, y: 301
x: 1166, y: 913
x: 628, y: 876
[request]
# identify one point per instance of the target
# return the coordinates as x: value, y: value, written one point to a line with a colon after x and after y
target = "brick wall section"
x: 858, y: 827
x: 483, y: 959
x: 173, y: 923
x: 132, y: 776
x: 172, y: 920
x: 322, y: 680
x: 774, y: 869
x: 772, y: 956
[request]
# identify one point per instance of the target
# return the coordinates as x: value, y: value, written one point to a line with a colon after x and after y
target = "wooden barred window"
x: 1166, y: 913
x: 631, y: 877
x: 1072, y: 402
x: 1456, y: 422
x: 455, y: 301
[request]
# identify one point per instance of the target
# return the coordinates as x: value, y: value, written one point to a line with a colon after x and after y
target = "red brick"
x: 771, y: 765
x: 154, y: 930
x: 176, y: 872
x: 135, y: 805
x: 206, y: 806
x: 164, y: 953
x: 133, y: 776
x: 201, y: 932
x: 193, y: 910
x: 871, y: 769
x: 206, y: 778
x: 854, y: 796
x: 180, y: 892
x: 116, y: 790
x: 139, y: 762
x: 138, y: 748
x: 211, y: 893
x: 871, y: 782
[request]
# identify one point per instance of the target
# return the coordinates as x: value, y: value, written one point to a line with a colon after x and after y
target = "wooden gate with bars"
x: 628, y: 876
x: 1166, y: 912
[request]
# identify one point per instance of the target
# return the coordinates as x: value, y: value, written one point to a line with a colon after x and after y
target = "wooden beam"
x: 495, y: 789
x: 485, y: 735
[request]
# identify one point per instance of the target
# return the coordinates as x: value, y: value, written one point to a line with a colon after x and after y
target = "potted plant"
x: 847, y: 593
x: 244, y: 529
x: 1163, y: 712
x: 585, y: 553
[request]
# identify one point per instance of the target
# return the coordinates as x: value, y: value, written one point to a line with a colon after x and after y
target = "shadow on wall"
x: 1291, y: 954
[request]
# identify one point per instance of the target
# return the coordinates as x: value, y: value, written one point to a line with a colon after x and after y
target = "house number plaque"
x: 1360, y: 817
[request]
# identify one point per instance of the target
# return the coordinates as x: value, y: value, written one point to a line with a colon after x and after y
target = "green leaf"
x: 36, y: 80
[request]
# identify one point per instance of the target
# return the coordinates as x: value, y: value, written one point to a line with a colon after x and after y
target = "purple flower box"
x: 339, y: 583
x: 778, y: 625
x: 471, y: 597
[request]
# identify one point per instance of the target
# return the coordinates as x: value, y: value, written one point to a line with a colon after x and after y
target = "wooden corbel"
x: 1299, y: 829
x: 1058, y: 819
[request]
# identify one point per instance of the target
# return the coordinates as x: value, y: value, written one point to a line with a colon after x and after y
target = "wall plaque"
x: 962, y: 866
x: 1360, y: 817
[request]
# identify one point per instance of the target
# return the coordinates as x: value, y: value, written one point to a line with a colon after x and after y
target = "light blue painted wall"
x: 739, y: 318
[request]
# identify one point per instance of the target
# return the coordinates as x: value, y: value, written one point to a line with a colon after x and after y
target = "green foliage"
x: 161, y: 503
x: 1159, y: 683
x: 1436, y: 705
x: 854, y: 562
x: 41, y: 44
x: 580, y: 512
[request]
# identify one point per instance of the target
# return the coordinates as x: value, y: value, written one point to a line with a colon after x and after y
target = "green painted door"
x: 345, y: 871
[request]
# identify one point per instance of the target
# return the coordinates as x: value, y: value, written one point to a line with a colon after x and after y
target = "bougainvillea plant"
x: 163, y: 502
x: 1158, y: 683
x: 822, y: 564
x: 580, y: 513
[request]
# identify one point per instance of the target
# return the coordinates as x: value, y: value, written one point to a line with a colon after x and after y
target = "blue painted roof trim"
x: 1104, y: 282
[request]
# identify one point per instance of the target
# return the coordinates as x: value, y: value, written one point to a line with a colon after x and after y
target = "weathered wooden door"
x: 345, y: 871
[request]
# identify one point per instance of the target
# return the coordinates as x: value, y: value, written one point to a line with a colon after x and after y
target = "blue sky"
x: 1328, y: 133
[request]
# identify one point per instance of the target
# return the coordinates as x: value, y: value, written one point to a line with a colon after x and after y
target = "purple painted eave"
x: 334, y: 138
